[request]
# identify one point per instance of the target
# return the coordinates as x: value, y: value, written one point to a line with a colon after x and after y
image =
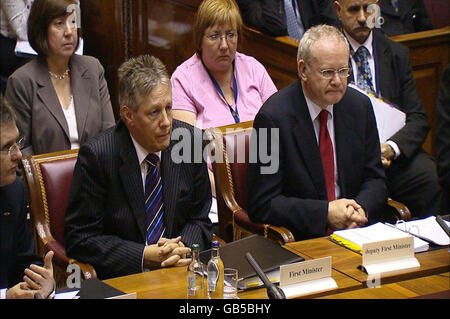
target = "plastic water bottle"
x: 195, y: 276
x: 214, y: 272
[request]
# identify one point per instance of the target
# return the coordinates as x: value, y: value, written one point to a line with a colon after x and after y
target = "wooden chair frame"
x: 40, y: 218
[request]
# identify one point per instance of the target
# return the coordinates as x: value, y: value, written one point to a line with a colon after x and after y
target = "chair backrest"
x: 48, y: 178
x: 231, y: 144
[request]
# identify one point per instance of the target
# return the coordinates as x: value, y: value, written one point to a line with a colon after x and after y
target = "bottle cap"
x: 215, y: 244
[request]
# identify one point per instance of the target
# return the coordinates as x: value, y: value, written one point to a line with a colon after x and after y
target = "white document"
x: 389, y: 119
x: 24, y: 48
x: 427, y: 228
x: 67, y: 295
x: 379, y: 232
x: 309, y: 287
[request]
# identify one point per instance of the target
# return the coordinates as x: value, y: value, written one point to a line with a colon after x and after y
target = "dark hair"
x: 7, y: 114
x: 42, y: 13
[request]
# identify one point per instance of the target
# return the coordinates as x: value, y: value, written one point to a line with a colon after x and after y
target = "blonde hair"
x: 138, y: 77
x: 316, y: 33
x: 212, y: 12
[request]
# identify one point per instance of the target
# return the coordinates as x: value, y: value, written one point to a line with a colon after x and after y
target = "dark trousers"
x: 9, y: 62
x: 414, y: 182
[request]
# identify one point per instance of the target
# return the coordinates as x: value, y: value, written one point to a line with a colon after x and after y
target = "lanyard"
x: 234, y: 113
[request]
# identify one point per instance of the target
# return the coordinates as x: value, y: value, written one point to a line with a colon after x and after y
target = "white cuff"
x: 3, y: 293
x: 394, y: 146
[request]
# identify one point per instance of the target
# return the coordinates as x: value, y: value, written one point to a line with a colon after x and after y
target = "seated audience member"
x: 129, y: 194
x: 13, y: 27
x: 61, y: 99
x: 404, y: 16
x: 442, y: 142
x: 20, y: 269
x: 382, y: 66
x: 218, y: 86
x: 286, y: 17
x: 326, y: 143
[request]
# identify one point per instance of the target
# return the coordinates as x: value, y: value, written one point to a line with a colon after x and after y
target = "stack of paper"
x: 427, y: 229
x: 355, y: 238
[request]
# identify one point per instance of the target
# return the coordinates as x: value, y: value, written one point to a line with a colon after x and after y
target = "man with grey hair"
x: 330, y: 174
x: 133, y: 207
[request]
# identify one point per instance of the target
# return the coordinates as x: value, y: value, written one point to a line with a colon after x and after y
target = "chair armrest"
x: 277, y: 234
x: 401, y: 211
x: 61, y: 259
x: 86, y: 269
x: 282, y: 235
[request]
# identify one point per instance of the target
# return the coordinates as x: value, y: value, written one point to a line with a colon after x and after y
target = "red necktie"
x: 326, y: 152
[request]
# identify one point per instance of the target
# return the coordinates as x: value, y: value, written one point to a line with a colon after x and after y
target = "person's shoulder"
x: 28, y: 70
x: 248, y: 61
x: 15, y: 189
x: 283, y: 100
x: 382, y: 40
x: 188, y: 65
x: 89, y: 62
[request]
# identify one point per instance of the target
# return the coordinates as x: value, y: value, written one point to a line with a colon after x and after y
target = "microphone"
x: 273, y: 292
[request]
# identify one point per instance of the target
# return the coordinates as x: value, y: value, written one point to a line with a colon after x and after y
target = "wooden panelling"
x: 104, y: 32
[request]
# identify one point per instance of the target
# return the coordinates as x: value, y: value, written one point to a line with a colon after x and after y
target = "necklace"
x: 60, y: 77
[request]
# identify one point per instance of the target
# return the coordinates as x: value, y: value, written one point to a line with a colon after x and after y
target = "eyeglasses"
x: 18, y: 145
x: 329, y: 73
x: 231, y: 37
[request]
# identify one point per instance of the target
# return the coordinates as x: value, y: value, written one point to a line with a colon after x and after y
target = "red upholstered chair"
x: 48, y: 178
x: 231, y: 150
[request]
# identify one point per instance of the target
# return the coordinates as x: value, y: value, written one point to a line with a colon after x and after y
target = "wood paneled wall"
x: 115, y: 30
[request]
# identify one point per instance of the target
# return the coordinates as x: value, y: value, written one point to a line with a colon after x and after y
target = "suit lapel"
x: 47, y: 94
x: 81, y: 91
x: 307, y: 143
x: 131, y: 178
x: 169, y: 175
x: 343, y: 133
x: 383, y: 69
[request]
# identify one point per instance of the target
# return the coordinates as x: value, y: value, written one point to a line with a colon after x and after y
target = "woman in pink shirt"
x: 217, y: 85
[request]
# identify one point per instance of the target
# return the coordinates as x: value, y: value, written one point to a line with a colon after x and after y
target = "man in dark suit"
x: 130, y: 192
x: 20, y: 269
x: 269, y: 16
x: 410, y: 171
x: 404, y: 16
x: 442, y: 142
x: 330, y: 174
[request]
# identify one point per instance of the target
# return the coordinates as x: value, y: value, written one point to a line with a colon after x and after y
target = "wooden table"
x: 432, y: 277
x: 346, y: 261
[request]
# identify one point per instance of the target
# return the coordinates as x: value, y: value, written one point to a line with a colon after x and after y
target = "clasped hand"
x: 166, y: 253
x: 345, y: 213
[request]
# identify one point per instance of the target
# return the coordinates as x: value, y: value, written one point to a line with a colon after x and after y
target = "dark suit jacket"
x: 442, y: 130
x: 396, y: 83
x: 40, y: 116
x: 16, y: 241
x: 295, y: 196
x: 268, y: 16
x: 105, y: 217
x: 412, y: 17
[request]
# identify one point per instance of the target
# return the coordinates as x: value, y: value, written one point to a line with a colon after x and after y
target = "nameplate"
x: 306, y: 277
x: 305, y: 271
x: 389, y: 256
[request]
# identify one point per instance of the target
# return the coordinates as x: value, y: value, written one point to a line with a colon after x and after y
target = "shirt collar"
x: 355, y: 45
x: 314, y: 109
x: 141, y: 151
